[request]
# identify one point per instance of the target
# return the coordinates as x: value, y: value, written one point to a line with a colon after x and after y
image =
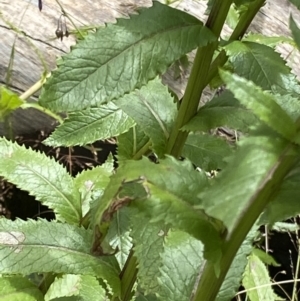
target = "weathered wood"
x: 39, y: 36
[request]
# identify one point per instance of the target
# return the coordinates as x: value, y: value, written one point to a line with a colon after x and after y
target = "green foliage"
x: 9, y: 101
x: 121, y: 57
x: 157, y: 227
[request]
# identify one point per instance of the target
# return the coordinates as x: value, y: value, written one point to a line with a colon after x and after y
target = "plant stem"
x: 197, y: 81
x: 237, y: 34
x: 42, y: 109
x: 209, y: 284
x: 128, y: 277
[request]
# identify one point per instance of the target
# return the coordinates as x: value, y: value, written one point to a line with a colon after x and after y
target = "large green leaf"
x: 261, y: 103
x: 90, y: 125
x: 133, y: 144
x: 43, y: 178
x: 206, y: 151
x: 244, y: 178
x: 181, y: 261
x: 123, y: 56
x: 17, y: 288
x: 166, y: 192
x: 154, y: 110
x: 80, y: 287
x: 262, y: 65
x: 148, y: 242
x: 223, y: 110
x: 41, y: 246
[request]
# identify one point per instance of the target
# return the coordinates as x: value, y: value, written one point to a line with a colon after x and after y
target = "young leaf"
x: 43, y: 178
x: 84, y: 287
x: 91, y: 184
x: 181, y: 261
x: 19, y: 288
x: 262, y: 65
x: 41, y: 246
x: 148, y: 240
x: 154, y: 110
x: 9, y: 101
x: 123, y: 56
x: 223, y: 110
x: 257, y: 276
x: 118, y: 235
x: 261, y: 103
x: 132, y: 144
x: 206, y: 151
x: 90, y: 125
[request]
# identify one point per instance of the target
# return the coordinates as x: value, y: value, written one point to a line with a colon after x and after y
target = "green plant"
x: 162, y: 231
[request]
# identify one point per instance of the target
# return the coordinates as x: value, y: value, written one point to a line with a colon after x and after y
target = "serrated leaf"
x: 132, y: 144
x: 262, y: 65
x: 154, y: 110
x: 285, y: 227
x: 123, y: 56
x: 9, y: 101
x: 181, y: 261
x: 268, y: 41
x: 161, y: 206
x: 234, y: 275
x: 148, y: 243
x: 257, y: 276
x: 118, y: 235
x: 223, y: 110
x: 90, y: 125
x: 166, y: 192
x: 91, y: 184
x: 43, y: 178
x: 265, y: 257
x: 17, y: 288
x: 286, y: 202
x: 206, y: 151
x: 246, y: 177
x: 41, y: 246
x: 261, y: 103
x: 82, y: 287
x: 289, y: 104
